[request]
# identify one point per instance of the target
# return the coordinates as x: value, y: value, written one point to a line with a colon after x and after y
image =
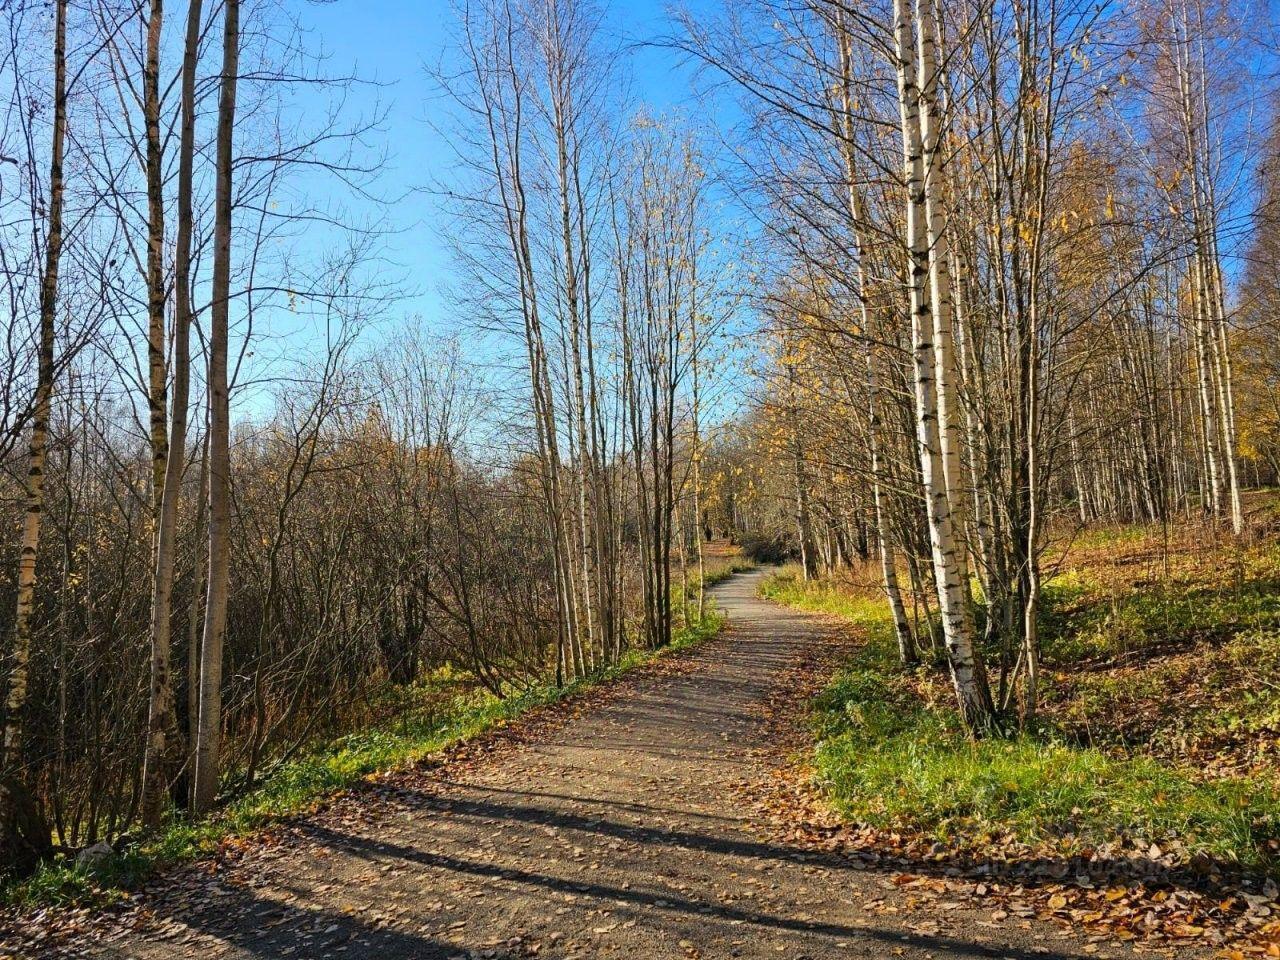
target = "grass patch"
x: 718, y: 572
x: 1226, y: 713
x: 1156, y: 617
x: 891, y: 755
x: 899, y: 766
x: 1132, y: 591
x: 822, y: 596
x: 301, y: 785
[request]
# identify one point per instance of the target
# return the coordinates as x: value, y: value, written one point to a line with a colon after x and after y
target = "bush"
x: 769, y: 548
x: 447, y: 716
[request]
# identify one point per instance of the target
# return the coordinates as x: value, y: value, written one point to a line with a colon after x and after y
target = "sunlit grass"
x: 887, y: 758
x: 822, y: 596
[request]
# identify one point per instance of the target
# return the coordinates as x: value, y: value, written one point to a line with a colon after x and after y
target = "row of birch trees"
x: 997, y: 294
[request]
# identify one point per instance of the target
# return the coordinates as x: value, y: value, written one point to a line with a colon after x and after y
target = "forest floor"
x: 647, y: 818
x: 1144, y: 802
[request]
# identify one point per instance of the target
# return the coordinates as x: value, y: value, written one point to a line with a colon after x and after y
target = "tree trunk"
x: 888, y: 561
x: 37, y: 450
x: 215, y: 611
x: 967, y: 672
x: 946, y: 389
x: 156, y: 373
x: 22, y: 840
x: 161, y: 724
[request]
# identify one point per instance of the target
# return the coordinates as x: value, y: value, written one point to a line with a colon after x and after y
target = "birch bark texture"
x: 929, y: 303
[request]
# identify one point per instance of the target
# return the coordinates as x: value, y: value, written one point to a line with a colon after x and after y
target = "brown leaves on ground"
x: 1161, y: 909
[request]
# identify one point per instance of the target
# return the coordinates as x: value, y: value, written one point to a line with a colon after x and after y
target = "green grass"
x: 1113, y: 536
x: 886, y: 758
x: 1087, y: 618
x: 302, y: 784
x: 1159, y: 615
x: 1226, y: 690
x: 896, y: 765
x: 1201, y: 620
x: 819, y: 596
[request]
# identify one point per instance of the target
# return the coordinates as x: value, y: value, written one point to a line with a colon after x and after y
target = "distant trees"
x: 525, y: 83
x: 658, y: 329
x: 1187, y: 81
x: 609, y: 318
x: 1253, y: 341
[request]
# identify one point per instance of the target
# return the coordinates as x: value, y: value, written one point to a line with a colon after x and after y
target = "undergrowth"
x: 301, y: 785
x: 893, y: 758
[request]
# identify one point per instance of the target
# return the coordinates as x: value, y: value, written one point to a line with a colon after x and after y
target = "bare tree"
x: 209, y: 731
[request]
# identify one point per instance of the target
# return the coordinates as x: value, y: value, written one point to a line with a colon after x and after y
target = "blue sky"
x: 395, y: 42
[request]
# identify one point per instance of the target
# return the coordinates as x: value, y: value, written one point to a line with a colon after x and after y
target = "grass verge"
x: 892, y: 753
x: 716, y: 569
x: 299, y: 786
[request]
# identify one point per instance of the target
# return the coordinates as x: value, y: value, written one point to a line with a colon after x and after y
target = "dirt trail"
x: 620, y: 836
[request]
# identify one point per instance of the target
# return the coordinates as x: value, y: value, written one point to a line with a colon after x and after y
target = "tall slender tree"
x: 12, y: 790
x: 209, y: 731
x: 161, y: 722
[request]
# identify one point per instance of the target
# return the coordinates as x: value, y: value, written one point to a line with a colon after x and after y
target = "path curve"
x: 620, y: 836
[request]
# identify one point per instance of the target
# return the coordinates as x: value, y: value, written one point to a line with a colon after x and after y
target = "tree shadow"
x: 257, y: 926
x: 1030, y: 872
x: 650, y: 902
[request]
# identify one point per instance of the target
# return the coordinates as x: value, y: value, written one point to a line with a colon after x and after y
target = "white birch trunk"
x: 888, y: 561
x: 967, y: 672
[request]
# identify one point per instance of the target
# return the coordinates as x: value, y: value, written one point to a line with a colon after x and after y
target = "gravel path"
x: 619, y: 835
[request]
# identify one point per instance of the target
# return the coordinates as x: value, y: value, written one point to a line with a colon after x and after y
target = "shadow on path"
x: 664, y: 901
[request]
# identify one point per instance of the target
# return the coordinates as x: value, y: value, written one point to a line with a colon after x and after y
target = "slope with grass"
x: 1158, y: 735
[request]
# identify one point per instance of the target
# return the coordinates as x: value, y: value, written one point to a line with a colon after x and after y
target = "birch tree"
x: 161, y: 723
x: 20, y: 843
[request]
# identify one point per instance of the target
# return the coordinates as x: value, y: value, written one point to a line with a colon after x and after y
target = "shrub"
x: 769, y: 548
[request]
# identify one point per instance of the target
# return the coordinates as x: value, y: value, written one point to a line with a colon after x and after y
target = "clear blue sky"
x: 395, y: 42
